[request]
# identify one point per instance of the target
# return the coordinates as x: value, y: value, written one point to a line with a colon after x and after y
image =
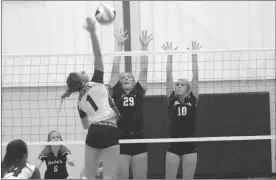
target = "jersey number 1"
x: 182, y: 111
x: 92, y: 102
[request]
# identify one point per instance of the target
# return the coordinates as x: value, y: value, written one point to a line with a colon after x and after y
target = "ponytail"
x: 74, y: 84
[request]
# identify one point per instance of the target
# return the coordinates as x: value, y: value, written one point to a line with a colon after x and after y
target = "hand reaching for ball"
x: 90, y: 25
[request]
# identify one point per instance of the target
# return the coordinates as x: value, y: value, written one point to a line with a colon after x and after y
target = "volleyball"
x: 105, y: 14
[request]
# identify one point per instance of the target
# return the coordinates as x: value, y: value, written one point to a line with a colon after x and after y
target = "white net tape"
x: 163, y: 140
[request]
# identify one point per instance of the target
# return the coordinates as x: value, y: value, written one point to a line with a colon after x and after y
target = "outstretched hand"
x: 121, y: 37
x: 145, y: 39
x: 168, y: 46
x: 195, y: 46
x: 90, y: 25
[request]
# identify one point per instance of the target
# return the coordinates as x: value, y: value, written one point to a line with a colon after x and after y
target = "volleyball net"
x: 32, y: 85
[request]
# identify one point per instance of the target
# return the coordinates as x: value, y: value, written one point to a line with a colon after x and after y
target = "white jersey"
x: 20, y: 173
x: 96, y: 102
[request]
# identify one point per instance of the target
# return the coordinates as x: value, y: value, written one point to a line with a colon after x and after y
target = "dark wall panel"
x: 241, y: 114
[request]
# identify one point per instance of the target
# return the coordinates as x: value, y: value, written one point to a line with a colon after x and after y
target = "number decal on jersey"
x: 92, y: 102
x: 56, y: 168
x: 182, y: 111
x: 128, y: 101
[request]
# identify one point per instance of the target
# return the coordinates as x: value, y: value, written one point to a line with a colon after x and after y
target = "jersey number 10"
x: 182, y: 111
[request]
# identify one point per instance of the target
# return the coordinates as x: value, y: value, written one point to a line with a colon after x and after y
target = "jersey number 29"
x: 182, y: 111
x: 128, y: 101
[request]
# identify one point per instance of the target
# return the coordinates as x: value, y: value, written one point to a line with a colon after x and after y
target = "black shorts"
x: 132, y: 149
x: 56, y: 175
x: 102, y: 136
x: 182, y: 148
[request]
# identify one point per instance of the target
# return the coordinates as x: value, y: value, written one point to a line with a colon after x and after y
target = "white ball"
x: 105, y: 14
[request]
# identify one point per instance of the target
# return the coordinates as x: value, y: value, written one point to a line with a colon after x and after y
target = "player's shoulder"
x: 30, y: 171
x: 139, y: 89
x: 172, y: 96
x: 30, y: 166
x: 116, y: 90
x: 46, y: 150
x: 20, y: 172
x: 85, y: 89
x: 192, y: 99
x: 191, y: 96
x: 64, y: 150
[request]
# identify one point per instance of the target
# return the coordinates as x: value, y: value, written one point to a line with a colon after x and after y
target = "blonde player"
x: 14, y: 165
x: 55, y: 158
x: 129, y: 96
x: 98, y: 114
x: 182, y: 111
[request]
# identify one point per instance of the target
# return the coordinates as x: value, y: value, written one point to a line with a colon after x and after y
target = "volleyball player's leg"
x: 91, y: 162
x: 110, y: 157
x: 189, y: 162
x: 172, y: 164
x: 124, y: 164
x: 140, y: 166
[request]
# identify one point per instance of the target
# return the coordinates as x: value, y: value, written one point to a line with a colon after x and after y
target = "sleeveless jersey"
x: 15, y: 172
x: 56, y: 166
x: 130, y: 107
x: 95, y: 101
x: 182, y: 116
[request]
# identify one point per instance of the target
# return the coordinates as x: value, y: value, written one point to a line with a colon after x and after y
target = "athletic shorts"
x: 182, y: 148
x: 132, y: 149
x: 102, y: 135
x: 56, y: 175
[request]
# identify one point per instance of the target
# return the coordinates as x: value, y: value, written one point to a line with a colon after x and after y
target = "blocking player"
x: 14, y: 164
x: 98, y: 114
x: 182, y: 111
x: 128, y: 96
x: 55, y: 158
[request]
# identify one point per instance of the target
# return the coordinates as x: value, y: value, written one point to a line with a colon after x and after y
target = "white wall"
x: 50, y: 26
x: 216, y: 24
x: 53, y: 26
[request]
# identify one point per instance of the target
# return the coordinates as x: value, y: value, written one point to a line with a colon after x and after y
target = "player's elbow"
x: 99, y: 65
x: 84, y: 122
x: 85, y: 126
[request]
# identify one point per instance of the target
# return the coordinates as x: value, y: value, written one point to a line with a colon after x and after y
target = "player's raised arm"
x: 143, y: 76
x: 120, y: 38
x: 169, y: 84
x: 195, y: 46
x: 91, y: 28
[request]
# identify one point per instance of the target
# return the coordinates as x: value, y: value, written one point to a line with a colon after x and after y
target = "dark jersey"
x: 56, y: 166
x: 182, y: 116
x: 130, y: 107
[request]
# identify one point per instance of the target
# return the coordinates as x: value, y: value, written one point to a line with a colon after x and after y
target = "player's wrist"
x: 119, y: 47
x: 145, y: 48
